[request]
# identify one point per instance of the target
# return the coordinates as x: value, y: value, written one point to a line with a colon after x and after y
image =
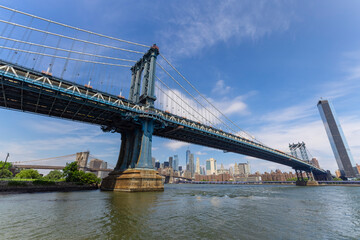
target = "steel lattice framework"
x: 28, y: 90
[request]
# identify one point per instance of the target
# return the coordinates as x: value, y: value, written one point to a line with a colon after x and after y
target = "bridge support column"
x: 302, y: 182
x: 134, y: 171
x: 311, y: 181
x: 300, y: 179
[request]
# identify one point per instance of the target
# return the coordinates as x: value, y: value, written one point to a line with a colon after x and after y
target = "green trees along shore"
x: 69, y: 174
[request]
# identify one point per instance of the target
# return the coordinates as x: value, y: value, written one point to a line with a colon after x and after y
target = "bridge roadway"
x: 28, y: 90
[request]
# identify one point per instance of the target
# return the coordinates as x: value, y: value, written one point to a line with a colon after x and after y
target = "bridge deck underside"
x: 30, y: 96
x: 213, y: 141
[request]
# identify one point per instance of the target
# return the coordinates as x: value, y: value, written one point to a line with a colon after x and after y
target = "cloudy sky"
x: 265, y: 64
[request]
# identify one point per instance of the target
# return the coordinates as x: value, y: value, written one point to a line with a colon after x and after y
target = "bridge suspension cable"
x: 66, y: 50
x: 73, y: 59
x: 46, y: 159
x: 208, y: 101
x: 71, y: 38
x: 75, y: 28
x: 176, y: 102
x: 227, y: 126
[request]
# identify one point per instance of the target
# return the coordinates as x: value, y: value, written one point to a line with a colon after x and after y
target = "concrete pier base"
x: 133, y: 180
x: 312, y: 183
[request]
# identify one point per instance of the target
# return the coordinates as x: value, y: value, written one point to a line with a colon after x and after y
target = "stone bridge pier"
x: 134, y: 170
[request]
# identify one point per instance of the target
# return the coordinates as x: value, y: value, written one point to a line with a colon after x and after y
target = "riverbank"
x: 321, y: 183
x: 14, y: 186
x: 240, y: 183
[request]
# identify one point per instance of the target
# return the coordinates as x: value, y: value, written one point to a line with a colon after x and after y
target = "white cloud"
x: 221, y: 88
x: 290, y: 113
x: 200, y: 153
x: 55, y: 127
x: 234, y: 106
x: 279, y: 135
x: 199, y: 25
x: 175, y: 145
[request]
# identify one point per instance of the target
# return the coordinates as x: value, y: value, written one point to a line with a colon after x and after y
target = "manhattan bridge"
x: 53, y: 69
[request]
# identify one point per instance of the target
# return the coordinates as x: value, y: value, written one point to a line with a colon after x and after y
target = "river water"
x: 185, y: 211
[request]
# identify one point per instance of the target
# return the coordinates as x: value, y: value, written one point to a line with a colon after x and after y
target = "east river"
x: 185, y: 212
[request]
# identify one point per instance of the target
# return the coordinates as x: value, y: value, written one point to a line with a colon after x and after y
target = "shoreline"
x: 290, y: 183
x: 30, y: 187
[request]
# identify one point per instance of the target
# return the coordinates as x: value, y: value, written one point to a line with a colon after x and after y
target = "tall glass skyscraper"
x: 337, y: 140
x: 176, y: 163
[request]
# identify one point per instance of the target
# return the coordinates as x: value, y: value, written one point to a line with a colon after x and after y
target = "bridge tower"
x: 82, y: 160
x: 134, y: 170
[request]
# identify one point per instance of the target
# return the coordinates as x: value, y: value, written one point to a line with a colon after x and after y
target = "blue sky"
x: 264, y: 63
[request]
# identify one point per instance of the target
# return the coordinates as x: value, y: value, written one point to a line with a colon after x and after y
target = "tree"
x: 28, y: 174
x: 89, y: 178
x: 54, y: 175
x: 5, y: 173
x: 71, y: 172
x: 7, y: 165
x: 337, y: 179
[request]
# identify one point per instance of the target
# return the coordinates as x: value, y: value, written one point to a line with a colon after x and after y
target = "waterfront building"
x: 277, y: 175
x: 210, y: 166
x: 337, y: 173
x: 197, y: 166
x: 166, y: 164
x: 180, y: 169
x: 315, y: 162
x: 213, y: 178
x: 337, y: 140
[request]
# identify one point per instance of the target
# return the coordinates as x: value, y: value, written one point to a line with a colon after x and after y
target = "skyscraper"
x: 236, y: 169
x: 171, y: 162
x: 187, y: 156
x: 244, y: 169
x: 157, y: 164
x: 210, y: 166
x: 153, y: 161
x: 176, y: 163
x: 191, y: 164
x: 337, y: 140
x: 197, y: 165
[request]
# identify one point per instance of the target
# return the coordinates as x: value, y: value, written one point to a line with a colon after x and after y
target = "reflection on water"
x: 185, y: 212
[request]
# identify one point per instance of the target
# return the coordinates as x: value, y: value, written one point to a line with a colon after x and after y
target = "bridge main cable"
x: 75, y: 28
x: 195, y: 98
x: 44, y: 159
x: 66, y: 50
x: 71, y: 38
x: 167, y: 61
x: 55, y: 56
x: 176, y: 102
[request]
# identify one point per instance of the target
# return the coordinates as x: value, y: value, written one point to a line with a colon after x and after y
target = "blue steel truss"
x: 32, y: 91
